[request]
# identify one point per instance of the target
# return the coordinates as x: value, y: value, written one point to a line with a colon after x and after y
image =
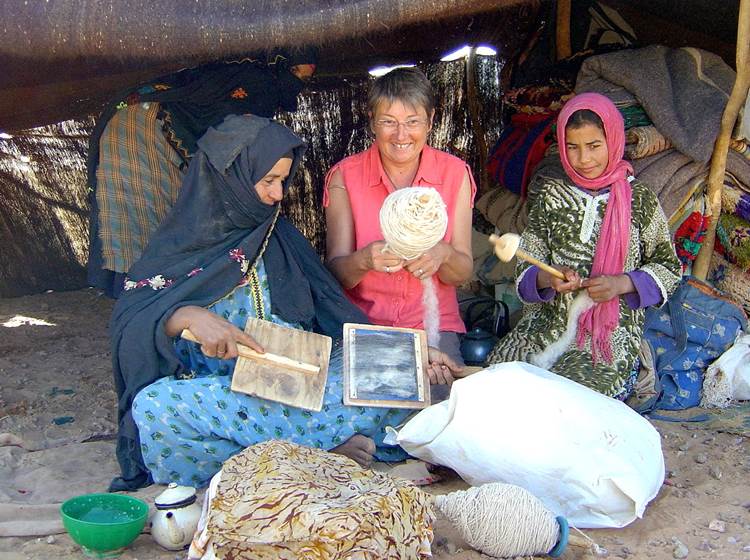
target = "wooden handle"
x: 547, y: 268
x: 273, y: 359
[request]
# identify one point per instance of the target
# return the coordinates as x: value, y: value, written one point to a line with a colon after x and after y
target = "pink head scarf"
x: 612, y: 247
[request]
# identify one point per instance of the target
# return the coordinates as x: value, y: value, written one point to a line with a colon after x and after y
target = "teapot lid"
x: 175, y: 496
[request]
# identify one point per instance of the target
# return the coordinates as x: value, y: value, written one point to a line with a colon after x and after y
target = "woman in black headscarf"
x: 224, y: 254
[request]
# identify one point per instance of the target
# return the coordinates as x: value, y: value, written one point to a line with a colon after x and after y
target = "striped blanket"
x: 138, y: 181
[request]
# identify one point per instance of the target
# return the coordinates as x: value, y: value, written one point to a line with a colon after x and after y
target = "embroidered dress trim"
x: 590, y: 215
x: 245, y: 266
x: 256, y: 293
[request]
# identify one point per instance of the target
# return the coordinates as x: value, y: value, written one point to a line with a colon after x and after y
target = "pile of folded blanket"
x: 672, y: 101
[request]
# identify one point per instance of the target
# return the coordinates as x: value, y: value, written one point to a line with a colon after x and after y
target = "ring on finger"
x: 387, y: 269
x: 420, y: 272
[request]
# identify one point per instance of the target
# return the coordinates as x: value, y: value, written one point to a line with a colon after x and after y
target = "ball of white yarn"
x: 413, y: 220
x: 501, y: 520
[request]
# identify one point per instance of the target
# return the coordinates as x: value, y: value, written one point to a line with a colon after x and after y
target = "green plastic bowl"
x: 104, y: 524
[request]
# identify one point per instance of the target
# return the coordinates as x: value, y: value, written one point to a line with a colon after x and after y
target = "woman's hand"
x: 346, y: 263
x: 375, y: 258
x: 441, y: 369
x: 430, y: 262
x: 605, y: 288
x: 452, y: 262
x: 217, y: 336
x: 572, y: 282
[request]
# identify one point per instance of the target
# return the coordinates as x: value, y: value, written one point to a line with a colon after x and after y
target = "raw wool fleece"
x: 553, y: 235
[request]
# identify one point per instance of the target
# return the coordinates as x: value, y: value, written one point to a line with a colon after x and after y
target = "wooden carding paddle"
x: 267, y: 357
x: 274, y: 381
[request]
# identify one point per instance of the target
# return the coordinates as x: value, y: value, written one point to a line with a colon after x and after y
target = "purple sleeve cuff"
x: 646, y: 293
x: 529, y: 292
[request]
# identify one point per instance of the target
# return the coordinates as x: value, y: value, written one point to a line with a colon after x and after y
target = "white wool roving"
x: 728, y: 379
x: 431, y: 317
x: 413, y: 220
x: 549, y: 355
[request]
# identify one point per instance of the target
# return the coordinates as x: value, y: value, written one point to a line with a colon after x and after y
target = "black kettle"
x: 486, y: 320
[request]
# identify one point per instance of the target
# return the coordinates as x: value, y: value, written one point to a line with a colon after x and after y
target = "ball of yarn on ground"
x: 501, y: 520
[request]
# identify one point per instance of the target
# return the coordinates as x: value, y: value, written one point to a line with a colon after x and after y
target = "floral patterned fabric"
x: 278, y: 501
x: 697, y: 325
x: 733, y: 240
x: 189, y: 426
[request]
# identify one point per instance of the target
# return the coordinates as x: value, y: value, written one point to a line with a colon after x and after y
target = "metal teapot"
x: 484, y: 329
x: 176, y: 518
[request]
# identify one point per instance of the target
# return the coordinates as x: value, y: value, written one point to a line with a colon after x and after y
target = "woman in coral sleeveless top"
x: 387, y: 288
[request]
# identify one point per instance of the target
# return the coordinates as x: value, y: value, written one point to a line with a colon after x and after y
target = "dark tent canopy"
x: 62, y: 60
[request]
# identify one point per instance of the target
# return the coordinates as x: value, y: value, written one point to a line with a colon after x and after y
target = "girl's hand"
x: 572, y: 282
x: 217, y: 336
x: 376, y: 259
x: 429, y: 262
x: 605, y: 288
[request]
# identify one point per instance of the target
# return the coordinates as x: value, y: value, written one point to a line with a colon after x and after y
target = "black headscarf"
x: 194, y: 259
x: 202, y: 97
x: 193, y: 100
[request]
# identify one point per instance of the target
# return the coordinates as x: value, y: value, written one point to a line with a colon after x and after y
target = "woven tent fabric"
x: 82, y: 52
x: 278, y: 500
x: 44, y: 214
x: 137, y: 28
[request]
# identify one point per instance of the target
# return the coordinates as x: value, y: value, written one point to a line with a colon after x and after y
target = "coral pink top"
x: 396, y: 299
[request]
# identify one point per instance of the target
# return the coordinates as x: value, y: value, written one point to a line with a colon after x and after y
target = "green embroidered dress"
x: 563, y: 229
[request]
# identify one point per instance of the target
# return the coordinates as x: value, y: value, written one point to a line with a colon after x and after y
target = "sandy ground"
x: 57, y: 404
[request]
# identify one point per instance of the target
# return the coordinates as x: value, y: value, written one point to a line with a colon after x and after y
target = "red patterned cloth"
x: 689, y: 237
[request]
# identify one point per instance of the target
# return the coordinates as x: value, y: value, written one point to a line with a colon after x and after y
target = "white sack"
x: 728, y: 378
x: 585, y: 456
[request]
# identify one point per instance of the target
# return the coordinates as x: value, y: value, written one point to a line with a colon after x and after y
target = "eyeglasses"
x: 390, y: 125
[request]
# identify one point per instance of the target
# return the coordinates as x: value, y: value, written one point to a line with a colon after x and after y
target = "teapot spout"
x: 175, y: 534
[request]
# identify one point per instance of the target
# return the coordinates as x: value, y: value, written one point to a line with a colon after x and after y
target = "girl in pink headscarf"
x: 608, y: 235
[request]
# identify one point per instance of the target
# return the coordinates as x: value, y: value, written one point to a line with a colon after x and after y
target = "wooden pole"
x: 562, y: 30
x: 719, y: 157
